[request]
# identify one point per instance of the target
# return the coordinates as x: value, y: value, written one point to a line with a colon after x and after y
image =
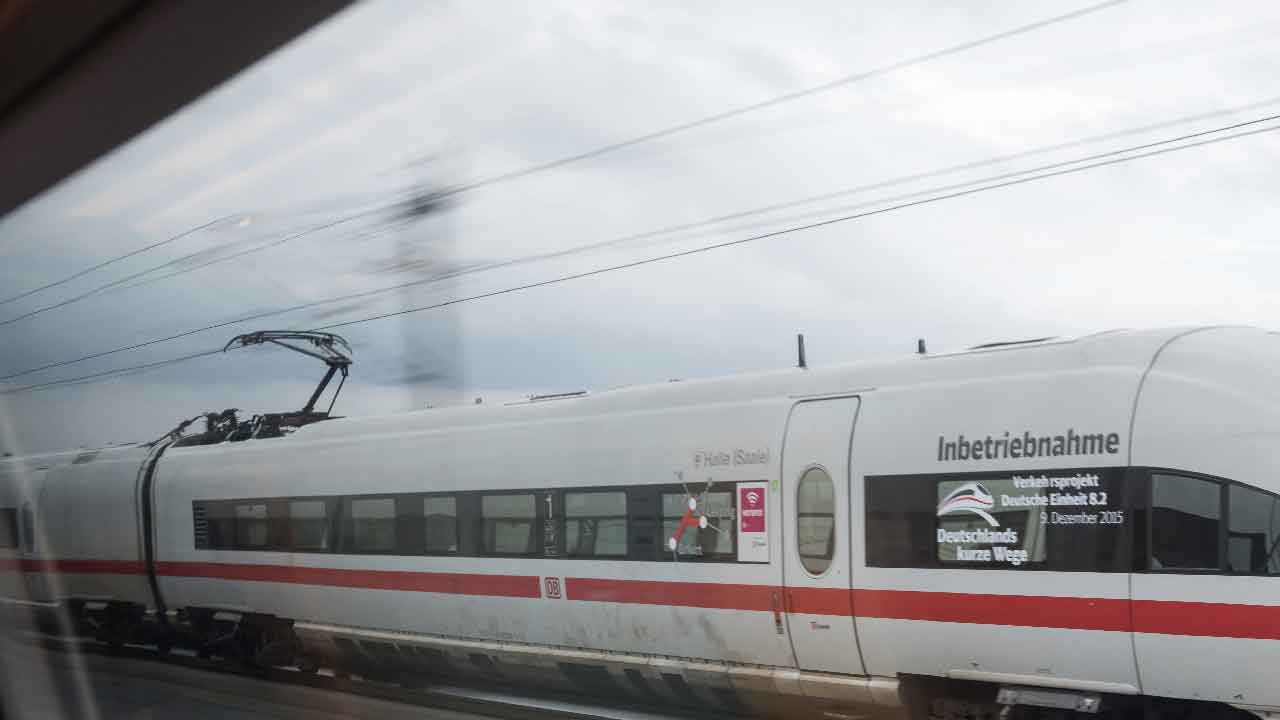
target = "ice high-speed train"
x: 1087, y: 524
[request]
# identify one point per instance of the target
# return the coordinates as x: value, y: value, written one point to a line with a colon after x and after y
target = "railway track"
x: 467, y: 700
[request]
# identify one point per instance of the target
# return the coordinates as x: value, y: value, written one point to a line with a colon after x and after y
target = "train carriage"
x: 1087, y: 524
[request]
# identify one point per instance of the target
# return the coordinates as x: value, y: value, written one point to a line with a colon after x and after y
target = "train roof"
x: 1132, y: 350
x: 1129, y: 349
x: 41, y: 461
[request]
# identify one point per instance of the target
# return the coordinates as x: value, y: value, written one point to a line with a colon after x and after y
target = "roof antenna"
x: 920, y: 348
x: 800, y: 362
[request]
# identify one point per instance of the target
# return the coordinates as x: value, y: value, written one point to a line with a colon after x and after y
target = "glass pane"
x: 1254, y: 534
x: 308, y: 525
x: 596, y: 536
x: 596, y: 523
x: 977, y: 523
x: 1186, y: 514
x: 695, y: 541
x: 815, y: 521
x: 509, y: 537
x: 251, y: 525
x: 508, y: 506
x: 222, y: 525
x: 595, y: 504
x: 442, y: 524
x: 373, y: 523
x: 508, y: 523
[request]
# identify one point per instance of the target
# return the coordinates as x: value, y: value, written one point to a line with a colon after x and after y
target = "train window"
x: 442, y: 524
x: 8, y: 528
x: 815, y: 520
x: 1071, y: 520
x: 1186, y: 516
x: 308, y: 525
x: 1253, y: 532
x: 643, y: 523
x: 699, y: 524
x: 220, y: 524
x: 508, y: 523
x: 373, y: 525
x: 901, y: 513
x: 975, y: 523
x: 595, y: 524
x: 251, y: 525
x: 410, y: 524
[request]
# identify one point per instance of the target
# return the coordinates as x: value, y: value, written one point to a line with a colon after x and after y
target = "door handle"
x: 776, y: 601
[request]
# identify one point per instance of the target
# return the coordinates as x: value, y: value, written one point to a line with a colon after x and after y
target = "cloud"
x: 331, y: 123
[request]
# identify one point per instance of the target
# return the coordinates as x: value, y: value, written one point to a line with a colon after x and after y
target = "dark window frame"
x: 332, y: 509
x: 535, y: 534
x: 12, y: 540
x: 731, y: 556
x: 457, y: 525
x: 625, y: 517
x: 1224, y: 523
x: 1114, y: 475
x: 1223, y: 519
x: 347, y: 529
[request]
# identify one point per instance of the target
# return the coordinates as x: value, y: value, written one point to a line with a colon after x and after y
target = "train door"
x: 816, y: 566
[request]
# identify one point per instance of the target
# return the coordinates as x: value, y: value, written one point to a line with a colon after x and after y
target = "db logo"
x: 553, y: 586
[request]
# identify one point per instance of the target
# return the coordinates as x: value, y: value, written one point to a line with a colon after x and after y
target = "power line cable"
x: 134, y: 276
x: 117, y: 371
x: 705, y: 248
x: 776, y: 100
x: 786, y: 231
x: 114, y: 260
x: 723, y: 218
x: 680, y: 227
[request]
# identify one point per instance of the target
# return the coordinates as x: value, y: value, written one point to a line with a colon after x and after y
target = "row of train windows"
x: 623, y: 523
x: 1143, y: 521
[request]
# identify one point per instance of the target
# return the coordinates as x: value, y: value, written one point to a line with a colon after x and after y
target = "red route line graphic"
x: 1165, y: 617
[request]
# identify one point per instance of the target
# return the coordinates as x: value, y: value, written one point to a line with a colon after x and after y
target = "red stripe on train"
x: 1074, y: 613
x: 685, y: 594
x: 1172, y: 617
x: 85, y: 567
x: 451, y: 583
x: 1165, y: 617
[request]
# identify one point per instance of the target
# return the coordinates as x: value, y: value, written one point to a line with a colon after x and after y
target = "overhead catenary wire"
x: 141, y: 273
x: 116, y: 259
x: 115, y: 372
x: 776, y: 100
x: 588, y: 247
x: 593, y: 153
x: 706, y: 248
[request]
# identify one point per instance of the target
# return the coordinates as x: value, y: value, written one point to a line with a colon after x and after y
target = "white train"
x: 1089, y: 524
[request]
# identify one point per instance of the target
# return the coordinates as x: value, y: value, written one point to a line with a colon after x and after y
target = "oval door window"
x: 815, y: 520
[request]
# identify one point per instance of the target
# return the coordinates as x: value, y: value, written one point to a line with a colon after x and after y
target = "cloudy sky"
x: 293, y: 171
